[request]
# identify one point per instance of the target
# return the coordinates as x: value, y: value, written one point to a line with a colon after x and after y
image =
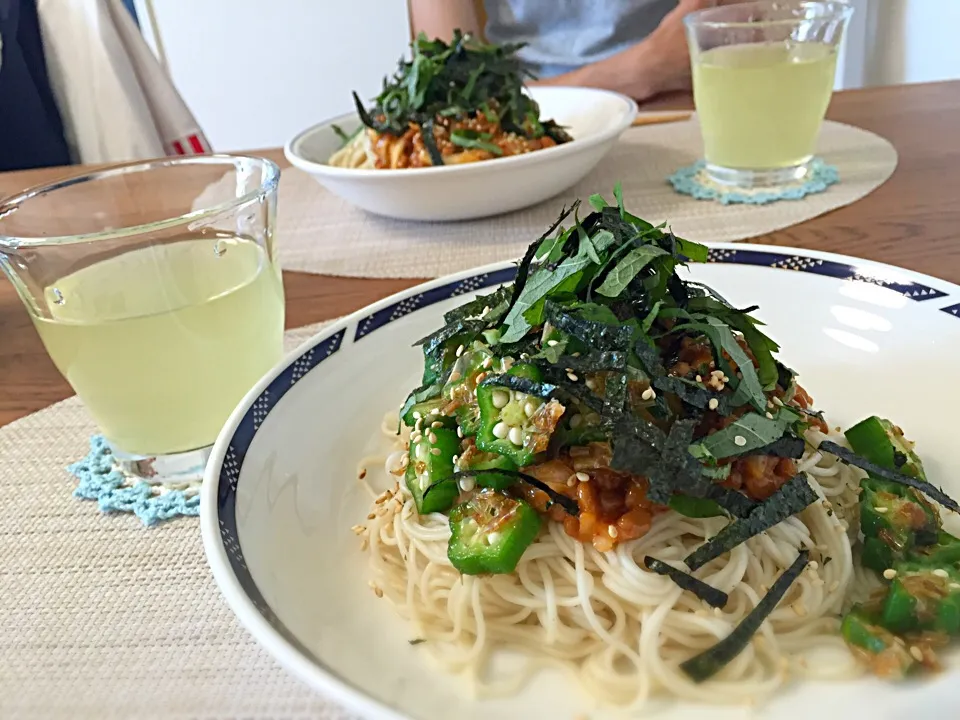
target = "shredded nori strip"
x: 693, y: 394
x: 792, y: 497
x: 475, y: 307
x: 649, y: 358
x: 569, y: 505
x: 601, y: 336
x: 421, y: 394
x: 851, y: 458
x: 677, y: 469
x: 430, y: 142
x: 735, y: 503
x: 786, y: 447
x: 435, y: 340
x: 707, y: 593
x: 547, y: 390
x: 705, y: 665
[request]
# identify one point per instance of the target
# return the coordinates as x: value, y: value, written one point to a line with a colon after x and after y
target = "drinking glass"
x: 763, y: 74
x: 156, y: 290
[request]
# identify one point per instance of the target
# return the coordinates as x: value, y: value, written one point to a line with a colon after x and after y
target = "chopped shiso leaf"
x: 462, y: 79
x: 851, y: 458
x: 707, y: 593
x: 795, y: 495
x: 705, y: 665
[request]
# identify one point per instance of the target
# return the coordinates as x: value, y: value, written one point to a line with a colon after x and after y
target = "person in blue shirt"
x: 636, y: 47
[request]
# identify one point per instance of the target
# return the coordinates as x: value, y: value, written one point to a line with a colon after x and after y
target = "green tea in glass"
x: 156, y: 291
x: 763, y: 75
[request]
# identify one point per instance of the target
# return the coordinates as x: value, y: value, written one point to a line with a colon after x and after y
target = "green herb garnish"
x: 462, y: 79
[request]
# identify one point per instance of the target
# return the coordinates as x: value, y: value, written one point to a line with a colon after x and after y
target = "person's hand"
x: 666, y: 49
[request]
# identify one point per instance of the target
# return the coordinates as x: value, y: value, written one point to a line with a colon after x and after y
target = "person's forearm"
x: 635, y: 71
x: 439, y: 18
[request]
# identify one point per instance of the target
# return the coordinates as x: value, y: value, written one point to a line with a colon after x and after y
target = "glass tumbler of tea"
x: 156, y: 290
x: 763, y: 74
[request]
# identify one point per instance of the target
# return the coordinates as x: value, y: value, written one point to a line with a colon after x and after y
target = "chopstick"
x: 659, y: 118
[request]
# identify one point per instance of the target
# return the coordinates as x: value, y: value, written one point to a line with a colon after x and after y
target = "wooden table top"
x: 909, y: 221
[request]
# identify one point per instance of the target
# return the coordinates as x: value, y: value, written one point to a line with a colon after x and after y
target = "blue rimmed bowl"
x: 281, y: 492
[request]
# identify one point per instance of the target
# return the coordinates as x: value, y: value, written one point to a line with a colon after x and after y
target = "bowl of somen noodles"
x: 626, y: 475
x: 455, y: 134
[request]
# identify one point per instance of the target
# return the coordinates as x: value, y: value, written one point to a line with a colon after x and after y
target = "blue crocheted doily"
x: 114, y: 491
x: 693, y: 181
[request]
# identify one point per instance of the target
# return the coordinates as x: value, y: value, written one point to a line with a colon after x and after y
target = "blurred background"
x: 254, y: 73
x: 255, y: 77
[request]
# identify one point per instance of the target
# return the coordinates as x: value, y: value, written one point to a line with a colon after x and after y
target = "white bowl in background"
x: 594, y: 118
x: 281, y: 492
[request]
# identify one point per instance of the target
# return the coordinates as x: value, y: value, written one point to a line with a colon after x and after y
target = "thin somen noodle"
x: 618, y: 629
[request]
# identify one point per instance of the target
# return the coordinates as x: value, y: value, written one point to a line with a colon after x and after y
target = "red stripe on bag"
x: 178, y: 147
x: 196, y: 144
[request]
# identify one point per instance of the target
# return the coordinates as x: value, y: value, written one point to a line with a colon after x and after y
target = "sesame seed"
x: 613, y: 532
x: 552, y: 343
x: 940, y: 573
x: 572, y: 376
x: 383, y: 497
x: 713, y: 404
x: 459, y: 431
x: 432, y: 437
x: 769, y: 416
x: 416, y: 437
x: 648, y: 394
x: 454, y: 376
x: 467, y: 484
x: 436, y: 424
x: 916, y: 653
x: 488, y: 362
x: 417, y: 415
x: 371, y: 516
x: 591, y: 384
x: 889, y: 573
x: 699, y: 378
x: 376, y: 589
x: 481, y: 377
x: 363, y: 473
x: 455, y: 459
x: 500, y: 398
x: 359, y: 529
x: 436, y: 411
x: 881, y: 510
x: 571, y: 481
x: 459, y: 350
x: 583, y: 477
x: 434, y: 451
x: 739, y: 440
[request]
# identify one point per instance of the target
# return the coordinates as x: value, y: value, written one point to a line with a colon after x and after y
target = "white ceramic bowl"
x: 595, y: 119
x: 281, y: 493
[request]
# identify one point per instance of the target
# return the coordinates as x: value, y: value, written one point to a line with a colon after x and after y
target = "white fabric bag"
x: 116, y: 101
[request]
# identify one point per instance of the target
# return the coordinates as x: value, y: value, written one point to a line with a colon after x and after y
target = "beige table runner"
x: 320, y: 233
x: 101, y: 617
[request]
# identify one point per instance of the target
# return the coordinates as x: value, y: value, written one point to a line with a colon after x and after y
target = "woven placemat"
x: 101, y: 617
x: 321, y: 233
